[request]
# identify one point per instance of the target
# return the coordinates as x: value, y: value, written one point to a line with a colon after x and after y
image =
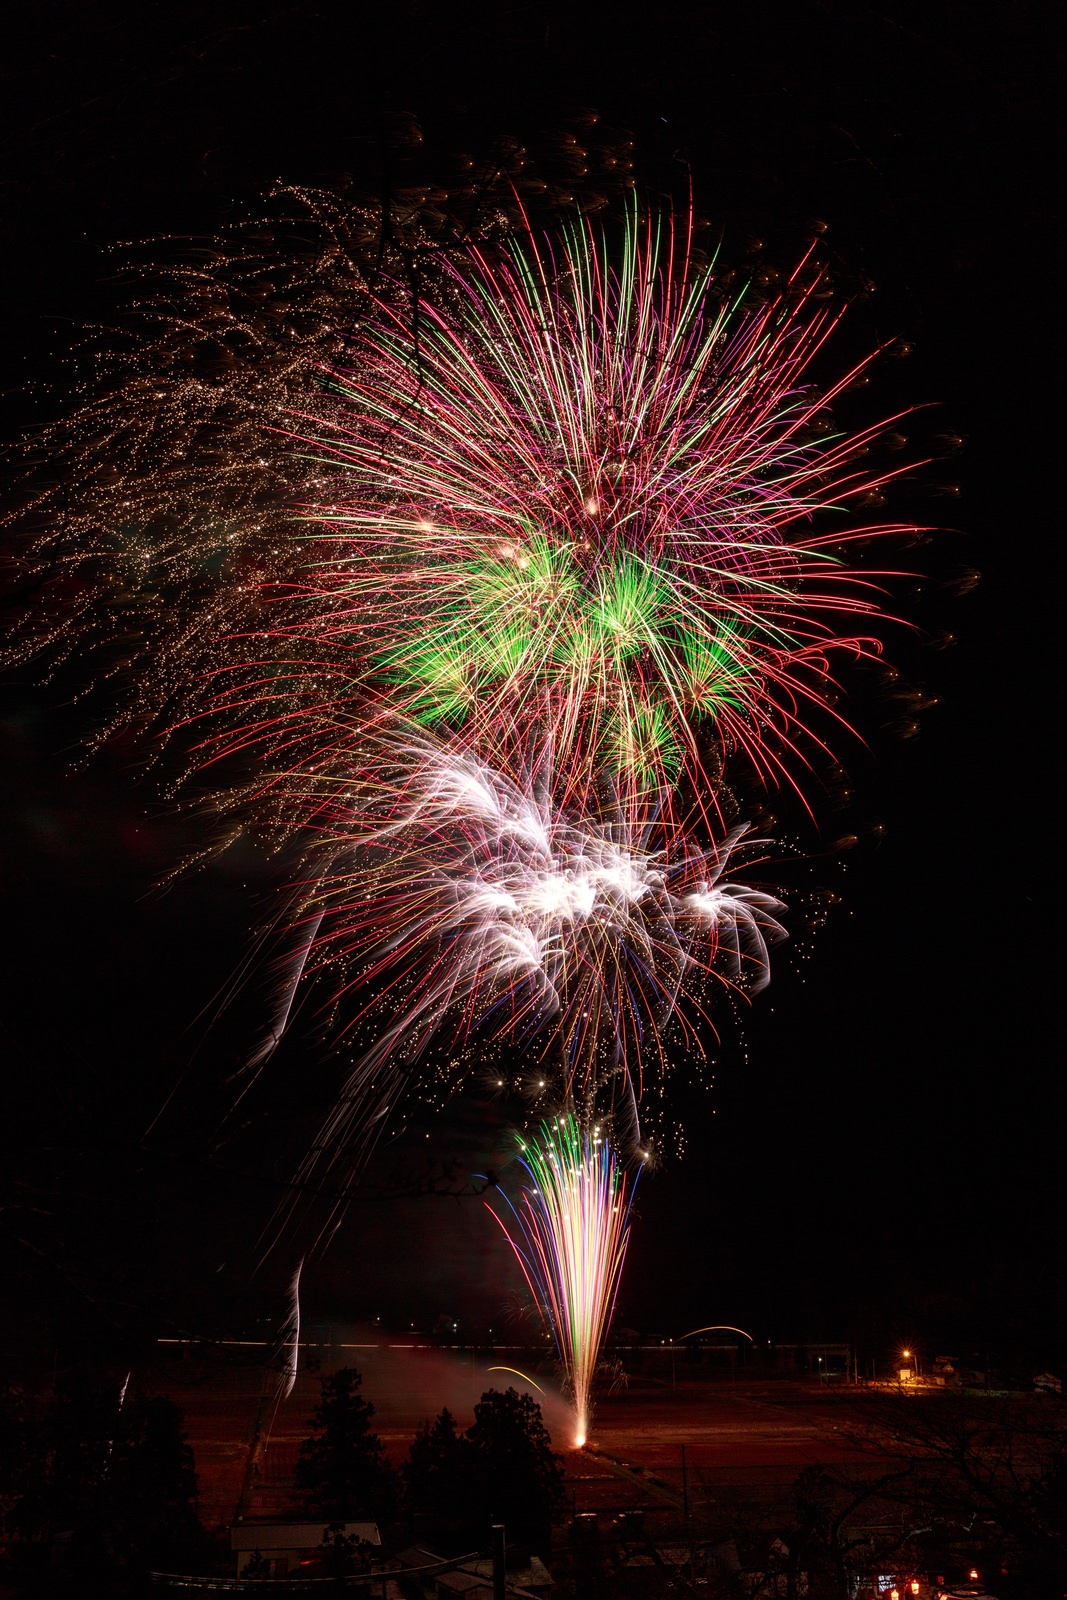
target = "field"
x: 666, y: 1442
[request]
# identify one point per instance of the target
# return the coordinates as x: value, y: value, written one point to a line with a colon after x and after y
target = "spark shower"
x: 483, y: 615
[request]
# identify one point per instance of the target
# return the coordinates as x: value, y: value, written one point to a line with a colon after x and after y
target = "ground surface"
x: 744, y: 1432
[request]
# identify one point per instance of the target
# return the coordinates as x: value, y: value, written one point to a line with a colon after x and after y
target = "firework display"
x: 478, y: 609
x: 570, y: 523
x: 469, y: 902
x: 569, y: 1234
x: 578, y: 514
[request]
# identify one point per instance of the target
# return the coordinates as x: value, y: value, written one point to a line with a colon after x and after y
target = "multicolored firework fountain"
x: 570, y: 1233
x: 481, y: 633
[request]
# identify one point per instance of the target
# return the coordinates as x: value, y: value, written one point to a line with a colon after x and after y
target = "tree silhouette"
x: 437, y: 1474
x: 503, y: 1469
x: 342, y: 1467
x: 111, y: 1482
x: 517, y: 1471
x: 342, y: 1554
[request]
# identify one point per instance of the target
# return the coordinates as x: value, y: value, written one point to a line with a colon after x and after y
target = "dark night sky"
x: 882, y: 1149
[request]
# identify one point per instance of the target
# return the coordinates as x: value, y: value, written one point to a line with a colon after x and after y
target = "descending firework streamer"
x: 569, y: 1232
x: 290, y: 1339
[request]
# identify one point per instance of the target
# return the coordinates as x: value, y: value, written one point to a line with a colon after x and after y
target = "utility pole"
x: 685, y: 1487
x: 499, y: 1552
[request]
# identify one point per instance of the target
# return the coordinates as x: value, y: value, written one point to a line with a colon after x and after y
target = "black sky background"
x: 882, y: 1150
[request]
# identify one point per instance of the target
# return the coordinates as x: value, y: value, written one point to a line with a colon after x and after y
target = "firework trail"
x: 290, y: 1336
x: 118, y: 1412
x: 150, y: 514
x: 569, y: 1234
x: 290, y: 975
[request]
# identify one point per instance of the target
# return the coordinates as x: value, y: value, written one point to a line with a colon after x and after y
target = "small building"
x: 285, y: 1547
